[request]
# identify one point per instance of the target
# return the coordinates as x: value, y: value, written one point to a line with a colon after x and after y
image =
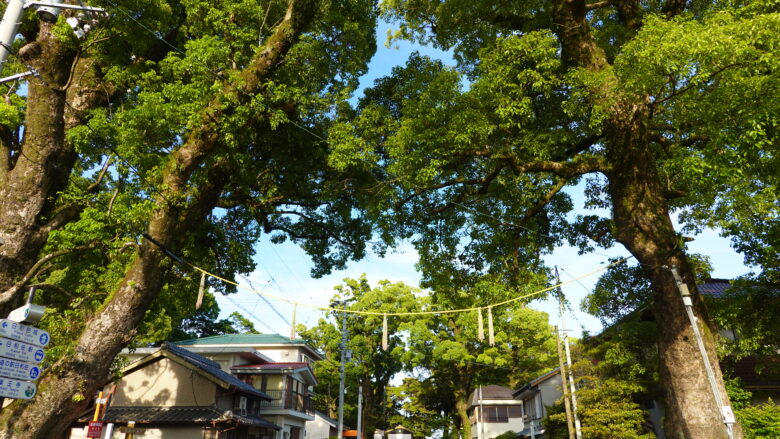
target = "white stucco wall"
x: 550, y: 391
x: 318, y: 428
x: 489, y: 430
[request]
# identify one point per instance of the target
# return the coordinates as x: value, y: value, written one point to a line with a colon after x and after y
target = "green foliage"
x: 415, y: 405
x: 280, y: 182
x: 750, y: 309
x: 448, y: 348
x: 760, y: 421
x: 738, y: 396
x: 371, y: 367
x: 624, y: 289
x: 605, y: 410
x: 616, y: 370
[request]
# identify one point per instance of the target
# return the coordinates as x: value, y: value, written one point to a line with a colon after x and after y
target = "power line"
x: 273, y: 308
x: 379, y: 313
x: 251, y: 315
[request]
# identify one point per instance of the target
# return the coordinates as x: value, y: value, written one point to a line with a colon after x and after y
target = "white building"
x: 535, y: 396
x: 322, y: 427
x: 493, y: 411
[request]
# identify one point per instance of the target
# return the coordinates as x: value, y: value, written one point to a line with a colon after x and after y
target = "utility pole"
x: 577, y: 426
x: 360, y: 412
x: 8, y: 28
x: 341, y: 370
x: 481, y: 419
x: 564, y: 384
x: 12, y: 18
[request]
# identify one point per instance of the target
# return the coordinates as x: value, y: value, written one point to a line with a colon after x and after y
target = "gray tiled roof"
x: 714, y: 288
x: 491, y: 392
x: 180, y: 415
x: 212, y: 367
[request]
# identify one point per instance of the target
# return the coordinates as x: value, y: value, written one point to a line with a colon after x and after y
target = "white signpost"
x: 24, y: 333
x: 18, y: 370
x: 17, y: 350
x: 10, y: 388
x: 21, y: 350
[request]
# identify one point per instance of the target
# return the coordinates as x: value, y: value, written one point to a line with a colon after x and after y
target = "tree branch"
x: 11, y: 293
x: 672, y: 8
x: 692, y: 84
x: 578, y: 148
x: 484, y: 182
x: 54, y: 288
x: 578, y: 46
x: 536, y: 208
x: 484, y: 186
x: 581, y: 165
x: 92, y: 188
x: 597, y: 5
x: 328, y: 232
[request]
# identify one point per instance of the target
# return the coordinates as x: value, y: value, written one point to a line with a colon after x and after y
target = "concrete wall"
x: 164, y: 384
x: 550, y: 391
x: 493, y: 429
x: 318, y: 428
x: 281, y: 355
x: 225, y: 361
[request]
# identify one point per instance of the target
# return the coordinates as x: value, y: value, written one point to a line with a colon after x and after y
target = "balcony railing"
x: 283, y: 399
x: 532, y: 423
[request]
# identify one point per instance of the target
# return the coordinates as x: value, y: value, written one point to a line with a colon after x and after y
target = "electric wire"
x: 380, y: 313
x: 250, y: 314
x: 273, y: 308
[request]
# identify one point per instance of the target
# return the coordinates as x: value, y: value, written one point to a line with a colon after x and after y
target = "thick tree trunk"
x: 33, y: 173
x: 55, y: 406
x: 643, y: 225
x: 39, y: 167
x: 461, y: 408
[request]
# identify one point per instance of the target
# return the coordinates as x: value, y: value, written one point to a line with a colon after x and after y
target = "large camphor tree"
x: 656, y: 107
x: 197, y: 124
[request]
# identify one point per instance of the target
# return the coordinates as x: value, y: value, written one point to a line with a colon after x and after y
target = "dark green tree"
x: 211, y: 144
x: 656, y: 107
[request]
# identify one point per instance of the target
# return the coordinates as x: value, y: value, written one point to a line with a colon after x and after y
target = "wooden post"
x: 97, y: 407
x: 569, y: 420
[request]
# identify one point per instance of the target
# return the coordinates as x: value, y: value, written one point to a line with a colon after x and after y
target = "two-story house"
x: 172, y: 393
x: 535, y: 397
x: 493, y: 411
x: 273, y: 364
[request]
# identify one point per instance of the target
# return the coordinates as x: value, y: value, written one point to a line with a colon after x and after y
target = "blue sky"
x: 283, y: 270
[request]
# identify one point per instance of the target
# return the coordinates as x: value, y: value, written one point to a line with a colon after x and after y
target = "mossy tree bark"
x: 640, y: 212
x: 177, y: 205
x: 35, y: 168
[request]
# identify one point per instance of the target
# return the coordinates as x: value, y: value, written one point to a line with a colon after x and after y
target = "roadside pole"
x: 341, y: 370
x: 564, y: 384
x: 360, y: 412
x: 725, y: 410
x: 577, y: 426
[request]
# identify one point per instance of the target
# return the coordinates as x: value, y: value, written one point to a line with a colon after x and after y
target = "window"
x: 496, y: 414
